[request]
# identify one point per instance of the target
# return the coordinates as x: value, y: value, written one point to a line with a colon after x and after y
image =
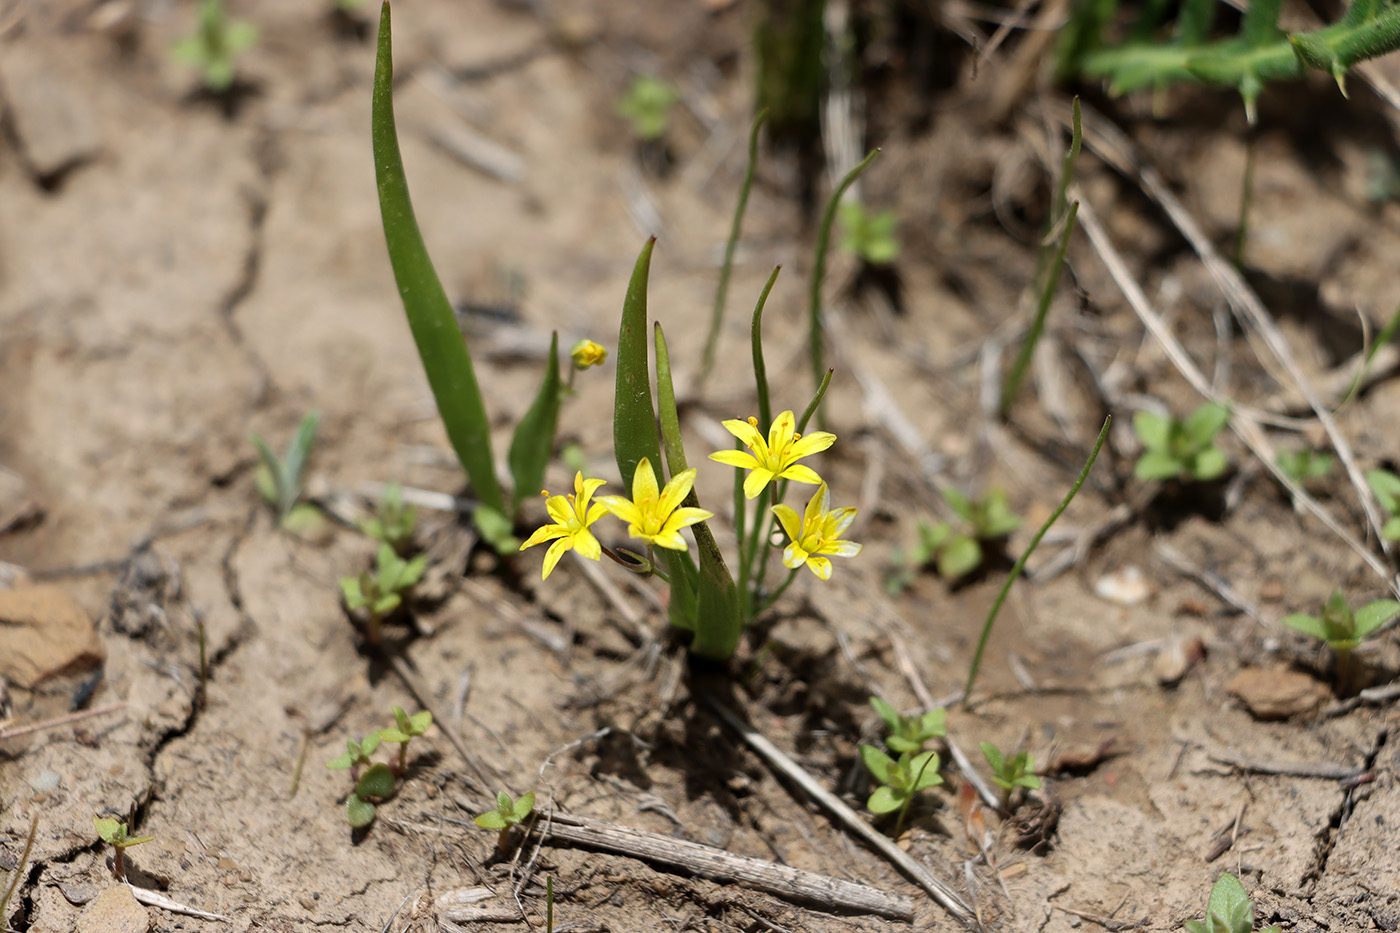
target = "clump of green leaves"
x: 114, y: 832
x: 1174, y: 449
x: 869, y: 234
x: 508, y: 813
x: 1229, y: 910
x: 1386, y: 486
x: 1343, y: 630
x: 377, y: 781
x: 958, y: 552
x: 215, y: 44
x: 382, y: 590
x: 910, y: 733
x: 900, y: 780
x: 279, y: 479
x: 647, y: 107
x: 1304, y: 465
x: 393, y: 522
x: 1011, y: 772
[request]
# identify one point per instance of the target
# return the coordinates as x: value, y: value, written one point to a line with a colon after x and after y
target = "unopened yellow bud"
x: 586, y: 353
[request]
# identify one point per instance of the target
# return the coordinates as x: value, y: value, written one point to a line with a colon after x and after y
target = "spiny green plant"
x: 1156, y: 53
x: 381, y: 591
x: 647, y: 107
x: 900, y: 780
x: 910, y: 733
x: 1305, y: 464
x: 1229, y: 910
x: 1386, y: 486
x: 393, y: 522
x: 1343, y: 630
x: 278, y: 479
x: 507, y: 813
x: 406, y: 728
x: 1011, y: 772
x: 958, y: 552
x: 1186, y: 450
x: 114, y: 832
x: 215, y: 45
x: 869, y: 234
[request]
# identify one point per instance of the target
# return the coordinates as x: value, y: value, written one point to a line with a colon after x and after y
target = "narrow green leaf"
x: 533, y: 444
x: 760, y: 370
x: 441, y: 345
x: 814, y: 323
x: 684, y: 575
x: 994, y: 757
x: 298, y: 453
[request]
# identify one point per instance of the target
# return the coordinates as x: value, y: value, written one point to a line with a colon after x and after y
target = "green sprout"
x: 1342, y: 629
x: 869, y: 234
x: 508, y: 813
x: 393, y: 522
x: 900, y: 780
x: 909, y: 733
x: 376, y: 783
x: 1386, y: 486
x: 647, y: 107
x: 215, y: 44
x: 1229, y: 910
x: 408, y: 726
x: 115, y: 832
x: 1304, y: 465
x: 1175, y: 449
x: 382, y: 591
x: 278, y: 479
x: 356, y: 755
x: 959, y: 552
x: 1011, y: 773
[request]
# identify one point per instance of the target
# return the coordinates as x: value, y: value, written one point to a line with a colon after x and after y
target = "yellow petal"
x: 801, y: 474
x: 595, y: 512
x: 585, y: 488
x: 743, y: 431
x: 682, y: 518
x: 838, y: 521
x: 542, y: 534
x: 560, y: 509
x: 556, y: 551
x: 809, y: 444
x: 587, y: 545
x: 794, y: 556
x: 621, y: 508
x: 756, y: 480
x: 736, y: 458
x: 820, y: 566
x: 780, y: 434
x: 644, y: 485
x: 787, y: 517
x: 816, y: 508
x: 676, y: 490
x: 840, y: 548
x: 669, y: 539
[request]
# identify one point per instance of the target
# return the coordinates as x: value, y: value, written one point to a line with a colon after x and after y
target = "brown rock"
x: 44, y: 633
x: 56, y: 126
x: 1277, y: 694
x: 114, y: 911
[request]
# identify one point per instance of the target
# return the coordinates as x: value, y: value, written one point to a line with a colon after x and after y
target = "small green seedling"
x: 393, y: 522
x: 1344, y: 630
x: 215, y: 44
x: 508, y: 813
x: 1175, y: 449
x: 900, y: 779
x: 1386, y: 486
x: 115, y: 833
x: 1304, y: 465
x: 279, y: 478
x: 1229, y: 910
x: 1011, y: 773
x: 377, y: 783
x: 869, y: 234
x: 356, y: 755
x: 383, y: 590
x: 647, y: 107
x: 959, y: 552
x: 408, y: 726
x: 909, y: 733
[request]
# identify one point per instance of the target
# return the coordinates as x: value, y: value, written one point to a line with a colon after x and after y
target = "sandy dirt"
x: 177, y: 271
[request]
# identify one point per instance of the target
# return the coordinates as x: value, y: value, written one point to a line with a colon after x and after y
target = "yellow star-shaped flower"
x: 572, y: 515
x: 653, y: 514
x: 816, y: 533
x: 775, y: 457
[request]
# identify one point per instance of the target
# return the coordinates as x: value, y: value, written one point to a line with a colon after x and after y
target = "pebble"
x: 114, y: 911
x: 1277, y: 694
x: 56, y: 126
x: 46, y: 634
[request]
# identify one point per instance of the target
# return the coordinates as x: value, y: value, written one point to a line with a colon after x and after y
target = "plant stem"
x: 814, y: 322
x: 782, y: 588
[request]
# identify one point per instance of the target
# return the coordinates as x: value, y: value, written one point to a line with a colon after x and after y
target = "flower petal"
x: 644, y: 486
x: 676, y: 490
x: 787, y: 517
x: 809, y: 444
x: 780, y: 434
x: 622, y: 508
x: 668, y: 539
x: 756, y: 480
x: 816, y: 509
x: 743, y: 431
x: 544, y: 533
x: 682, y: 518
x: 587, y: 545
x: 736, y: 458
x: 801, y: 474
x: 840, y: 548
x: 794, y: 556
x: 820, y: 566
x: 556, y: 551
x: 560, y: 509
x: 585, y: 488
x: 595, y: 512
x: 838, y: 521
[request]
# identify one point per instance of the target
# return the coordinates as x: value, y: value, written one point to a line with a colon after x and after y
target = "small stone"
x: 1277, y: 694
x: 114, y: 911
x: 56, y: 126
x: 1124, y: 587
x: 1176, y: 658
x: 44, y: 633
x: 78, y: 894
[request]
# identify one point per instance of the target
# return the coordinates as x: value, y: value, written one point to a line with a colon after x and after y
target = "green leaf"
x: 932, y: 537
x: 298, y: 453
x: 386, y: 604
x: 1386, y: 486
x: 395, y: 735
x: 934, y: 723
x: 1373, y: 616
x: 491, y: 819
x: 1391, y: 530
x: 877, y: 763
x: 1029, y: 781
x: 352, y: 593
x: 268, y: 477
x: 370, y: 743
x: 340, y: 764
x: 884, y: 800
x: 1308, y: 625
x: 109, y: 830
x: 359, y: 812
x: 1152, y: 429
x: 1209, y: 464
x: 495, y: 529
x: 377, y: 781
x: 634, y: 418
x: 523, y: 806
x: 923, y: 770
x: 994, y: 757
x: 533, y: 444
x: 1229, y: 904
x: 441, y: 345
x: 1196, y: 926
x: 900, y: 743
x: 960, y: 504
x: 1157, y: 464
x: 419, y: 722
x: 997, y: 519
x: 886, y: 712
x: 962, y: 556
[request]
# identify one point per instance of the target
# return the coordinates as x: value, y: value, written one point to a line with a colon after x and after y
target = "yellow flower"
x: 776, y: 457
x: 816, y: 533
x: 652, y: 514
x: 586, y: 353
x: 572, y: 515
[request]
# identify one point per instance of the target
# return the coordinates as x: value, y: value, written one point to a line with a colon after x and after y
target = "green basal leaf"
x: 441, y: 345
x: 298, y: 453
x: 523, y: 806
x: 359, y: 812
x: 923, y: 771
x: 884, y: 800
x: 495, y: 529
x: 718, y: 623
x: 962, y: 556
x: 377, y: 781
x: 1386, y: 486
x: 1229, y: 904
x: 108, y: 829
x: 634, y: 418
x: 901, y: 744
x: 1205, y: 422
x: 386, y: 604
x: 887, y: 713
x: 994, y: 757
x: 533, y: 444
x: 268, y: 477
x: 1156, y: 464
x: 1209, y: 464
x: 960, y: 504
x: 491, y: 819
x: 1152, y: 429
x: 352, y: 594
x: 934, y: 723
x: 1308, y: 625
x: 877, y: 763
x: 1374, y: 616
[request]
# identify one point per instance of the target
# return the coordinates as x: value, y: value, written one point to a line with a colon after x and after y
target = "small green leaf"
x: 1386, y: 486
x: 340, y: 764
x: 395, y: 735
x: 1391, y: 530
x: 523, y: 806
x: 900, y: 743
x: 350, y: 590
x: 491, y: 819
x: 109, y: 830
x: 961, y: 556
x: 1308, y: 625
x: 419, y: 722
x: 1229, y: 904
x: 503, y: 803
x: 932, y: 537
x: 1152, y: 429
x: 884, y: 800
x: 1156, y: 464
x: 359, y: 812
x: 886, y: 712
x: 1209, y: 464
x: 495, y: 529
x: 959, y: 504
x: 923, y: 770
x: 1196, y: 926
x: 377, y: 781
x: 934, y: 723
x: 877, y: 763
x: 994, y: 757
x: 1373, y: 616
